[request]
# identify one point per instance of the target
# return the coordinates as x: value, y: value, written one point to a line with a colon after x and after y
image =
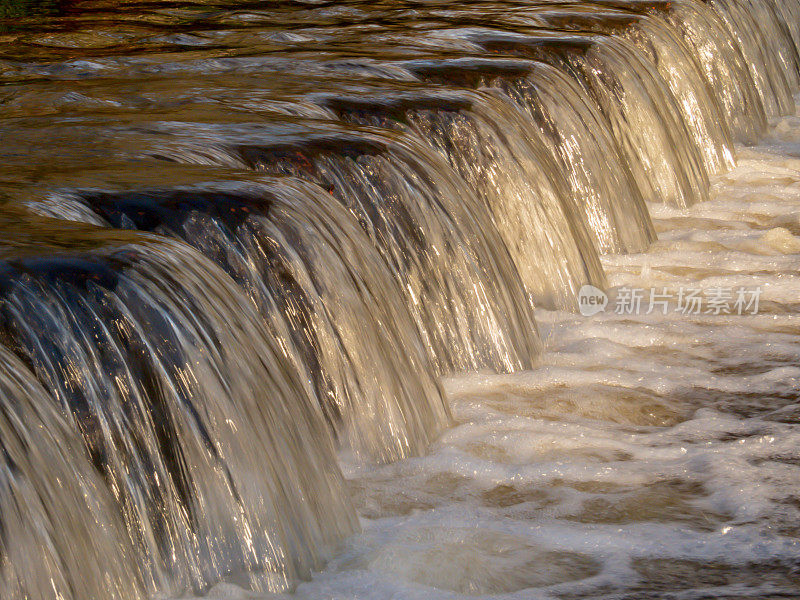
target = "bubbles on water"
x: 472, y: 562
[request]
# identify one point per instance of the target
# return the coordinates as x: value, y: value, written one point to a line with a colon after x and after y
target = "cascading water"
x: 240, y: 238
x: 439, y: 241
x: 322, y: 289
x: 763, y: 43
x: 213, y: 448
x: 724, y: 66
x: 605, y: 194
x: 60, y: 535
x: 674, y: 62
x: 488, y: 147
x: 643, y: 114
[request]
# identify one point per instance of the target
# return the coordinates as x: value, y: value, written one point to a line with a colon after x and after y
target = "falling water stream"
x: 290, y: 299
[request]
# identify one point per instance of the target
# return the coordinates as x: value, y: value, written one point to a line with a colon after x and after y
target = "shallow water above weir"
x: 295, y: 299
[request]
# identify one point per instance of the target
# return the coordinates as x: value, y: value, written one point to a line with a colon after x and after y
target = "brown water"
x: 249, y: 248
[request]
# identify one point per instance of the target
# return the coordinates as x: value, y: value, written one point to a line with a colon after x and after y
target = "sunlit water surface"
x: 338, y: 206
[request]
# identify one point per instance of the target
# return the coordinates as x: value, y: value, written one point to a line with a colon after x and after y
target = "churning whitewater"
x: 378, y: 300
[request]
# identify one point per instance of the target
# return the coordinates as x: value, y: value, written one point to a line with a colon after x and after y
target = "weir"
x: 264, y: 236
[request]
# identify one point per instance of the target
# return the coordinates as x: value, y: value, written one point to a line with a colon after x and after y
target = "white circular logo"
x: 591, y: 300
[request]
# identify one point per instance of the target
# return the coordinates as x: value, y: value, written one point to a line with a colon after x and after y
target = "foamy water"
x: 647, y: 456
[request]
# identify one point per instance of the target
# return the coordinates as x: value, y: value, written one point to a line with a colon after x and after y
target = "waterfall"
x: 471, y: 307
x: 269, y: 239
x: 724, y: 66
x: 762, y: 41
x: 673, y: 61
x: 60, y: 536
x: 601, y: 187
x: 323, y: 290
x: 643, y: 114
x: 210, y: 443
x: 494, y: 152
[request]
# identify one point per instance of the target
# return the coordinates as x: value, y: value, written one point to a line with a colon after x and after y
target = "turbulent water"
x: 294, y: 300
x: 646, y: 456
